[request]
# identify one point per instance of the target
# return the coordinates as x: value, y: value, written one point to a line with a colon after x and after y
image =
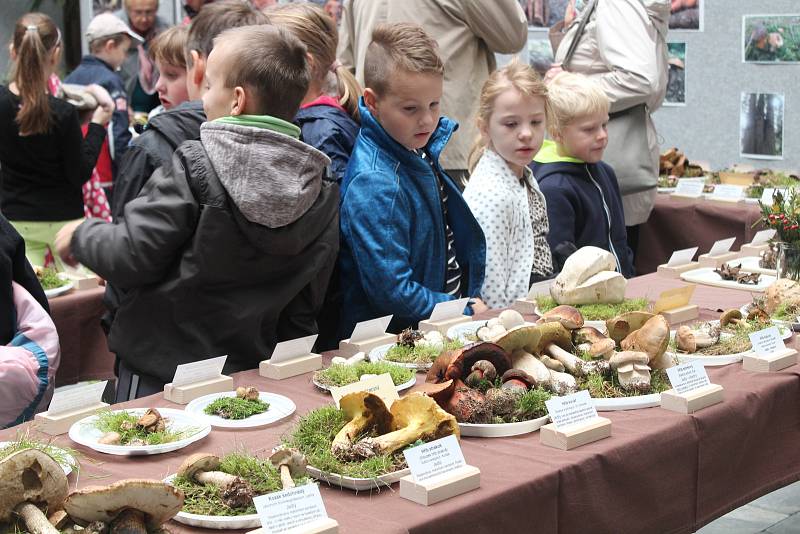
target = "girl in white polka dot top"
x: 502, y: 192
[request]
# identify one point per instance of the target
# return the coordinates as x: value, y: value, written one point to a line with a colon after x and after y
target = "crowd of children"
x: 271, y: 194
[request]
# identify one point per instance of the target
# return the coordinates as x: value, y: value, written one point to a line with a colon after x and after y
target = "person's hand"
x: 63, y: 242
x: 478, y: 306
x: 554, y: 70
x: 105, y: 105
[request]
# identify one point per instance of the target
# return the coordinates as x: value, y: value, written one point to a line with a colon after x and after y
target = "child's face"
x: 171, y: 85
x: 585, y: 137
x: 409, y: 110
x: 516, y: 128
x: 218, y: 100
x: 116, y: 53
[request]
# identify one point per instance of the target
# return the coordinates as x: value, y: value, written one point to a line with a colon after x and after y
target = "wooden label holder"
x: 692, y: 401
x: 59, y: 423
x: 82, y: 281
x: 707, y: 260
x: 320, y: 526
x: 189, y: 392
x: 444, y: 325
x: 774, y: 362
x: 681, y: 314
x: 675, y: 271
x: 725, y: 201
x: 457, y: 482
x: 753, y: 250
x: 348, y: 348
x: 289, y: 368
x: 576, y: 435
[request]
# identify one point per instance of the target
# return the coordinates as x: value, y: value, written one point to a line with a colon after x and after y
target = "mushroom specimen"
x: 589, y: 277
x: 511, y: 319
x: 518, y: 381
x: 569, y: 317
x: 732, y: 317
x: 202, y: 467
x: 632, y: 370
x: 352, y: 360
x: 783, y: 291
x: 555, y: 341
x: 691, y: 340
x: 247, y: 392
x: 481, y: 370
x: 291, y: 463
x: 128, y: 506
x: 622, y: 325
x: 28, y: 479
x: 652, y: 338
x: 365, y: 412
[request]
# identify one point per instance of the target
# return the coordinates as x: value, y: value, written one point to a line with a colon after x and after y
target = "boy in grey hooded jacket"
x: 230, y: 250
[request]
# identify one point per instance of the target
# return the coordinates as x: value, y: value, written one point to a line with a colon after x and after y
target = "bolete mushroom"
x: 569, y: 317
x: 481, y: 370
x: 247, y: 392
x: 621, y: 326
x: 291, y: 463
x: 128, y: 506
x: 553, y: 342
x: 653, y: 339
x: 518, y: 381
x: 364, y: 411
x: 454, y: 364
x: 511, y: 319
x: 588, y: 277
x: 466, y: 404
x: 594, y: 342
x: 632, y: 369
x: 28, y: 479
x: 691, y: 340
x: 203, y: 468
x: 732, y: 317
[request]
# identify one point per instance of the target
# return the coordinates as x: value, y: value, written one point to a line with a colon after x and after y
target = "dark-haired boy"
x: 230, y: 249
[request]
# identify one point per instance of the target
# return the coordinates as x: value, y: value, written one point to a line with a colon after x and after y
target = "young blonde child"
x: 168, y: 51
x: 502, y: 192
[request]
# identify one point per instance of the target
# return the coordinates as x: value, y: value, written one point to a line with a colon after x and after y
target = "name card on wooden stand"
x: 527, y: 306
x: 82, y: 281
x: 366, y: 336
x: 674, y: 305
x: 689, y: 188
x: 771, y: 354
x: 758, y: 244
x: 679, y: 262
x: 691, y: 389
x: 297, y: 510
x: 575, y: 422
x: 720, y: 253
x: 446, y: 314
x: 196, y: 379
x: 291, y: 358
x: 438, y: 472
x: 70, y: 405
x: 730, y: 194
x: 381, y: 385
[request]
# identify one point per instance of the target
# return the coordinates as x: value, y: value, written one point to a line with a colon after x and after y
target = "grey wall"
x: 10, y: 11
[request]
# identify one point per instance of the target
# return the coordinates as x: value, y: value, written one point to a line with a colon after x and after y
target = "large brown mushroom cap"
x: 456, y: 364
x: 652, y: 338
x: 291, y: 458
x: 730, y: 316
x: 553, y: 333
x: 569, y: 317
x: 198, y: 462
x: 31, y: 476
x: 158, y: 501
x: 621, y: 326
x: 520, y: 337
x: 684, y: 339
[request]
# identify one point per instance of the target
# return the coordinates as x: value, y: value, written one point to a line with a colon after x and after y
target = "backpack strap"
x: 586, y: 15
x: 200, y: 174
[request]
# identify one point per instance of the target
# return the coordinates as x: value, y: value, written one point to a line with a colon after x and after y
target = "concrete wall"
x: 10, y: 11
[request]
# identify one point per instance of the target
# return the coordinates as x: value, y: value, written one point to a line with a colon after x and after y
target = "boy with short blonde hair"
x: 584, y: 206
x: 409, y: 240
x: 168, y: 51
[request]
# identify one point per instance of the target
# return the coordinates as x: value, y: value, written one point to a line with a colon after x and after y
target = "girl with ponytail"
x: 328, y: 123
x: 44, y: 158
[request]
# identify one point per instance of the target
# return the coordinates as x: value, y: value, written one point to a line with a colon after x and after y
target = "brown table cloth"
x: 676, y: 224
x: 659, y: 471
x: 84, y: 350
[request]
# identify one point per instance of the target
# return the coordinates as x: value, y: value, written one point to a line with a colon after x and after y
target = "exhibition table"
x: 659, y: 471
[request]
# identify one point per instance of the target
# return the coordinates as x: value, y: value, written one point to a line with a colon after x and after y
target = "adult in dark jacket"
x: 326, y: 126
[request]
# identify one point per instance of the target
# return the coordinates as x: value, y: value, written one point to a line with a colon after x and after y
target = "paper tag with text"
x: 294, y: 348
x: 674, y: 298
x: 371, y: 329
x: 722, y: 246
x: 571, y: 409
x: 728, y: 192
x: 682, y: 257
x: 688, y: 377
x: 763, y: 236
x: 280, y: 511
x: 77, y: 397
x: 381, y: 385
x: 767, y: 342
x: 690, y: 188
x: 449, y: 309
x: 434, y: 459
x: 190, y: 373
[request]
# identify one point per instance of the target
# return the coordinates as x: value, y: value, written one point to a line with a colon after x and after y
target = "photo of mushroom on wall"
x: 761, y: 125
x: 676, y: 86
x: 771, y: 38
x: 686, y: 15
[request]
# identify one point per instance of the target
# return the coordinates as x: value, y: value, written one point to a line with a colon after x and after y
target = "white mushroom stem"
x: 286, y: 477
x: 573, y: 364
x: 34, y: 519
x: 521, y: 359
x: 552, y: 363
x: 217, y: 478
x: 562, y: 383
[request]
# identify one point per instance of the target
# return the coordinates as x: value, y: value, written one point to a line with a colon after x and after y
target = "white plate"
x: 400, y: 387
x: 750, y: 265
x: 60, y: 290
x: 722, y: 359
x: 358, y: 484
x: 85, y: 433
x: 218, y: 522
x: 707, y: 276
x: 378, y: 354
x: 500, y: 430
x: 627, y: 403
x: 65, y: 466
x: 279, y: 407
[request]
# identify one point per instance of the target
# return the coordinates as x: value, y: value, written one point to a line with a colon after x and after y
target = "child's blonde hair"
x: 572, y: 96
x: 169, y: 46
x: 515, y: 75
x: 317, y: 30
x: 402, y: 46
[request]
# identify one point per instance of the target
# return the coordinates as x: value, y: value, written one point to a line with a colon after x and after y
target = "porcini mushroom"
x: 481, y: 370
x: 364, y: 411
x: 455, y: 364
x: 621, y: 326
x: 691, y: 340
x: 28, y: 479
x: 569, y: 317
x: 518, y: 380
x: 732, y: 317
x: 291, y: 463
x: 653, y: 339
x: 588, y: 277
x: 128, y: 506
x: 632, y: 369
x: 511, y: 319
x: 203, y: 468
x: 553, y: 342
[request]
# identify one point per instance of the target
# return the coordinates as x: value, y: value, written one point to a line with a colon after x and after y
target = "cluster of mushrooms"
x: 32, y: 482
x: 150, y: 422
x: 695, y: 338
x: 544, y: 355
x: 734, y: 273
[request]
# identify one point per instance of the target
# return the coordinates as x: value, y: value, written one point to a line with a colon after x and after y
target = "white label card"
x: 434, y: 459
x: 294, y: 348
x: 75, y: 398
x: 381, y: 385
x: 449, y: 309
x: 763, y: 236
x: 688, y: 377
x: 767, y: 342
x: 728, y: 192
x: 371, y: 329
x: 189, y: 373
x: 540, y: 289
x: 682, y: 257
x: 571, y: 409
x: 690, y: 188
x: 284, y: 510
x: 722, y: 246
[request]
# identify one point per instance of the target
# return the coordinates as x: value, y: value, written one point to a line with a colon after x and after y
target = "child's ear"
x: 199, y: 68
x: 238, y: 106
x: 11, y: 52
x: 371, y: 101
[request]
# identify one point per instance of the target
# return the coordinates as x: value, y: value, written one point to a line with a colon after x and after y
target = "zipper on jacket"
x: 608, y: 218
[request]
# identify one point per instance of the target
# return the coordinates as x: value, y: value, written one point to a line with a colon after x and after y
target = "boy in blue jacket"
x: 584, y: 206
x: 409, y: 240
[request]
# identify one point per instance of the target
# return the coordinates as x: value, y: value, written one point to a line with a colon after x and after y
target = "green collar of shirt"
x: 263, y: 121
x: 549, y: 154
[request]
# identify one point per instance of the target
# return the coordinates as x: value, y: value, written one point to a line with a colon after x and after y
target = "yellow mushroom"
x: 365, y: 412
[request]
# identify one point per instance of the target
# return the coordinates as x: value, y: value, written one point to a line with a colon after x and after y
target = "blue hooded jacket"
x: 393, y: 250
x: 331, y: 131
x: 584, y: 206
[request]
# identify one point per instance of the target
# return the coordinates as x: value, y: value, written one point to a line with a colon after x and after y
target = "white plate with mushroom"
x: 720, y: 359
x: 85, y: 432
x: 378, y: 354
x: 218, y: 522
x: 613, y: 404
x: 66, y: 460
x: 777, y: 322
x: 750, y: 264
x: 279, y: 407
x: 358, y: 484
x: 500, y: 430
x: 707, y: 276
x: 400, y: 387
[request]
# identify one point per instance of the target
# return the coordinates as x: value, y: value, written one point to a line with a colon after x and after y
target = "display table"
x: 658, y: 472
x: 676, y: 224
x: 84, y: 349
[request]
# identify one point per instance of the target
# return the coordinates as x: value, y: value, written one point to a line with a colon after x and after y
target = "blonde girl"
x: 328, y: 123
x: 502, y: 192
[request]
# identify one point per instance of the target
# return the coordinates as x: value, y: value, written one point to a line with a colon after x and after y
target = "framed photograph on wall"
x: 761, y: 125
x: 543, y: 13
x: 686, y: 15
x: 676, y: 86
x: 771, y: 39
